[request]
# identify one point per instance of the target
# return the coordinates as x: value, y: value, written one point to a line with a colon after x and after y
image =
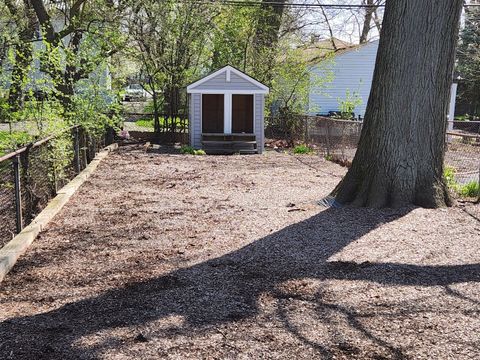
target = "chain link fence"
x: 462, y: 158
x: 337, y: 139
x: 31, y: 176
x: 141, y: 126
x: 329, y: 137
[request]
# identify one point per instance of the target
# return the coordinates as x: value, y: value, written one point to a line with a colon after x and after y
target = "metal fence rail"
x: 32, y: 175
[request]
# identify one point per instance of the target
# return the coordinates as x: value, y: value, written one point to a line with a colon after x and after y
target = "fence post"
x: 478, y: 198
x: 327, y: 131
x: 18, y: 193
x: 76, y: 149
x: 306, y: 131
x: 84, y: 149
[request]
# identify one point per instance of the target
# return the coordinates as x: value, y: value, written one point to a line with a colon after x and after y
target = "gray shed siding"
x: 258, y: 121
x: 352, y: 71
x: 195, y: 126
x: 219, y: 82
x: 196, y: 118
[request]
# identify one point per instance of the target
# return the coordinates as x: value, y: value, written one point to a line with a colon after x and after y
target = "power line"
x: 289, y: 4
x: 300, y: 5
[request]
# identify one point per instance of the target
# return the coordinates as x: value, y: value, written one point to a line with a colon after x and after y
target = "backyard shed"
x: 227, y: 112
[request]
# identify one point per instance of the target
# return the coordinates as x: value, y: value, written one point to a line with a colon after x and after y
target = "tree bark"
x: 400, y: 156
x: 367, y: 21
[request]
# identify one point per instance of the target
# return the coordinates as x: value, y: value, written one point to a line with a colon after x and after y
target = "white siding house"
x: 352, y: 70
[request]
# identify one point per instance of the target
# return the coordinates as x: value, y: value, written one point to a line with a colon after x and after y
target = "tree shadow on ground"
x: 226, y: 289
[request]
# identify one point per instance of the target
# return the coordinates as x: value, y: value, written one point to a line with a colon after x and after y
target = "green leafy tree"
x: 25, y: 22
x: 78, y: 37
x: 233, y: 37
x: 294, y: 81
x: 170, y: 41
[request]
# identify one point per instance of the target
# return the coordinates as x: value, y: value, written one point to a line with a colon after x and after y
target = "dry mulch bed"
x: 191, y: 257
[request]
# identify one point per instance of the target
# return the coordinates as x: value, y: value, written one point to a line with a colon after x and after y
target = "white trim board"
x: 227, y: 114
x: 220, y: 91
x: 228, y: 69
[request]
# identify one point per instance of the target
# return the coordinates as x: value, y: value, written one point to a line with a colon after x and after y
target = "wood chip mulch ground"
x: 230, y: 257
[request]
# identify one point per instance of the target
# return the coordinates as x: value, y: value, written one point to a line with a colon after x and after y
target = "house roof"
x: 228, y: 69
x: 320, y: 50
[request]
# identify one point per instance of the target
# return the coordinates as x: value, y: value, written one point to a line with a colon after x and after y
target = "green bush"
x: 14, y: 140
x: 349, y: 104
x: 472, y: 189
x: 449, y: 175
x: 302, y: 149
x: 185, y: 149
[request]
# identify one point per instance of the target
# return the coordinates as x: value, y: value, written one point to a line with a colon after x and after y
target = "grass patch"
x: 302, y: 149
x: 146, y: 123
x: 185, y: 149
x: 150, y: 123
x: 471, y: 189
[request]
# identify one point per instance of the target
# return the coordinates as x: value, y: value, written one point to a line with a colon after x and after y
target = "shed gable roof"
x: 227, y: 79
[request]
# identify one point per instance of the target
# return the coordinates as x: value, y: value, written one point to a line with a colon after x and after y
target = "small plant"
x: 472, y: 189
x: 185, y: 149
x: 329, y: 157
x: 449, y: 175
x: 348, y: 105
x: 302, y: 149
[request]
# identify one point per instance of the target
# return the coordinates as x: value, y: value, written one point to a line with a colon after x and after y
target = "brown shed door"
x: 212, y: 113
x: 242, y: 114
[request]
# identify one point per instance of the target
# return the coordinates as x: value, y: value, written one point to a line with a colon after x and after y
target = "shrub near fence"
x: 31, y: 176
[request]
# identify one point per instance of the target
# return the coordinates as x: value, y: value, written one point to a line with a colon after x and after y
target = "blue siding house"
x: 352, y: 70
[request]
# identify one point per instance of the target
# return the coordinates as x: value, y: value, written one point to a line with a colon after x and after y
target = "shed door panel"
x: 212, y: 113
x: 242, y: 114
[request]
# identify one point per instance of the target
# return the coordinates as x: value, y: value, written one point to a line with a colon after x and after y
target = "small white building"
x: 226, y: 112
x: 352, y: 70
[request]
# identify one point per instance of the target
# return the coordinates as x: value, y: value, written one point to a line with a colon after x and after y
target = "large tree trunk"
x: 400, y: 156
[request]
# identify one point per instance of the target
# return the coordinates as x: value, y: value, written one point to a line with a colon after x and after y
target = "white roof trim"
x: 263, y: 89
x: 223, y: 91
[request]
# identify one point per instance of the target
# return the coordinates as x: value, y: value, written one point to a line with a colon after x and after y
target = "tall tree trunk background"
x: 367, y: 21
x: 266, y: 39
x: 399, y: 160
